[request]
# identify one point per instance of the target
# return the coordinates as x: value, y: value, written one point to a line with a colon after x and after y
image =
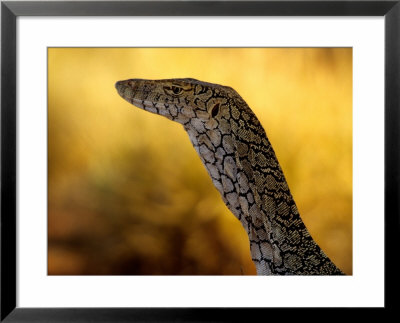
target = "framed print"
x: 107, y: 211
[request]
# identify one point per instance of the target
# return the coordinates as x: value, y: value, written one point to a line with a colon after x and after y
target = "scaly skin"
x: 238, y: 156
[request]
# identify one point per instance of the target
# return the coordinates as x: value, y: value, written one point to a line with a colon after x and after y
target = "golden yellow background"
x: 127, y: 191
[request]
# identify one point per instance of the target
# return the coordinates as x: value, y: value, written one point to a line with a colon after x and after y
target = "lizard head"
x: 210, y: 114
x: 187, y: 101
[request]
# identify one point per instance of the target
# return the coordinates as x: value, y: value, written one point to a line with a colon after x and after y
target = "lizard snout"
x: 126, y: 88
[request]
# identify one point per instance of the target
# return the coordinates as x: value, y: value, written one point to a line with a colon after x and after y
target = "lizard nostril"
x: 133, y: 85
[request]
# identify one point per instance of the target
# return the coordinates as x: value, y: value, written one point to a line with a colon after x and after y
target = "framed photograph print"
x: 197, y: 160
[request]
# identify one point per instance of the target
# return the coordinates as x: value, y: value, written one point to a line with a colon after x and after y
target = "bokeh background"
x: 127, y: 193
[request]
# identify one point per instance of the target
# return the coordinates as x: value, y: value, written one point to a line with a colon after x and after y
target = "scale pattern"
x: 241, y: 162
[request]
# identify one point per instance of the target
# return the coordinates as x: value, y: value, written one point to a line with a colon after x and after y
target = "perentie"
x: 242, y: 164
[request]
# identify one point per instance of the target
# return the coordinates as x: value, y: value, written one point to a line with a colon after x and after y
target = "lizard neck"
x: 243, y: 167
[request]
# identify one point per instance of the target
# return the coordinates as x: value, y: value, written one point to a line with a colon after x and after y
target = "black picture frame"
x: 10, y: 10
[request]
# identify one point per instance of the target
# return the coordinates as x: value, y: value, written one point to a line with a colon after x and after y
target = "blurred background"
x: 127, y: 193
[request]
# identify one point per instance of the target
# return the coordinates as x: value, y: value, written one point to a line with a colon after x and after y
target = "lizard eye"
x: 176, y: 90
x: 173, y: 90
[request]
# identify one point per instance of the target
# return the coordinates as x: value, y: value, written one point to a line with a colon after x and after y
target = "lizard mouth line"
x: 143, y: 104
x: 154, y: 107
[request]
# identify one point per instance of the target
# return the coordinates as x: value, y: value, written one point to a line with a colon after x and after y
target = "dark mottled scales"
x: 239, y: 158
